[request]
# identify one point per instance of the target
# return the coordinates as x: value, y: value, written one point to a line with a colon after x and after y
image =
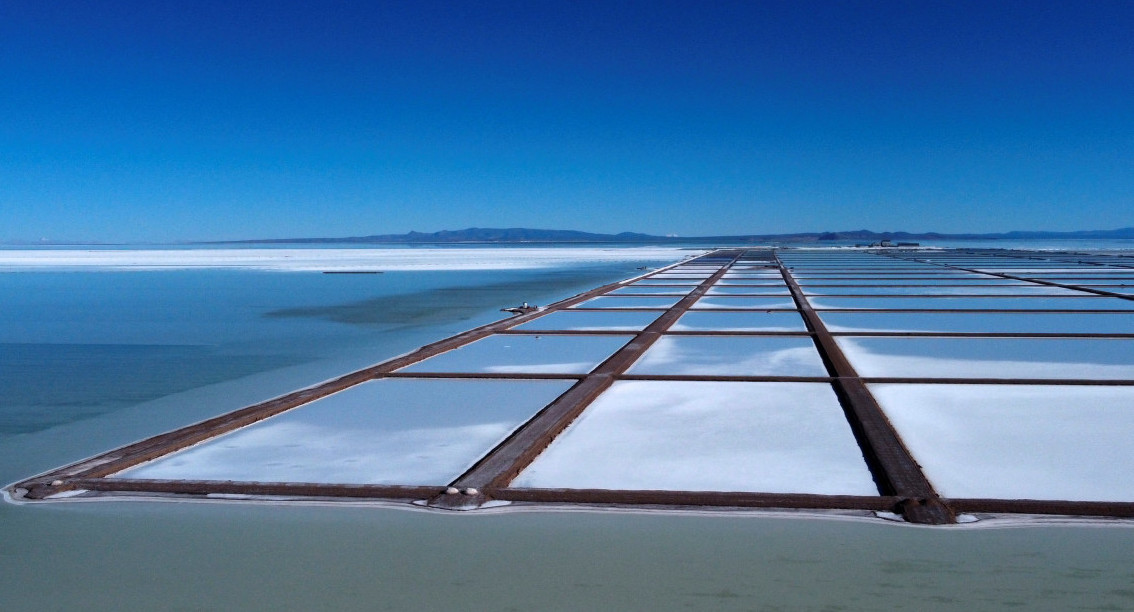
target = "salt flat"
x: 321, y: 259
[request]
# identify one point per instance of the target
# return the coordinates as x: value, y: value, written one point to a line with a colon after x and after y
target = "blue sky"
x: 168, y: 121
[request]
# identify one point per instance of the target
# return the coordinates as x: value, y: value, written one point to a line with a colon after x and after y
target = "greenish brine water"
x: 94, y: 360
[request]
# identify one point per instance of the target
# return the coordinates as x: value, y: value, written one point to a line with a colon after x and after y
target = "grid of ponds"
x: 925, y: 383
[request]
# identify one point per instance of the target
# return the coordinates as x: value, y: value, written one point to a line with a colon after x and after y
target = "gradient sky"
x: 183, y: 120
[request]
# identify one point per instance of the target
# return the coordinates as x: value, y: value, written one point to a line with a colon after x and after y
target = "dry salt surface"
x: 306, y: 260
x: 707, y: 436
x: 389, y: 431
x: 1018, y: 441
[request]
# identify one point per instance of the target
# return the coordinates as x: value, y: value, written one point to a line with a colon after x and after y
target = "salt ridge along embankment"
x: 314, y: 260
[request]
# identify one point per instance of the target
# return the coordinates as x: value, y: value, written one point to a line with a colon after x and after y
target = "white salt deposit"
x: 754, y: 303
x: 1079, y: 302
x: 1038, y: 358
x: 633, y: 301
x: 1017, y: 441
x: 708, y: 320
x: 514, y: 353
x: 718, y: 289
x: 707, y: 436
x: 731, y: 356
x: 979, y: 322
x: 389, y: 431
x: 319, y: 259
x: 592, y: 320
x: 943, y: 290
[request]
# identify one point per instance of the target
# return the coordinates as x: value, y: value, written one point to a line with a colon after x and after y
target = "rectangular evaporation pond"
x: 979, y: 322
x: 972, y: 280
x: 707, y: 436
x: 1022, y: 290
x: 930, y: 273
x: 974, y: 303
x: 388, y: 431
x: 731, y: 356
x: 1121, y: 290
x: 747, y: 269
x: 774, y: 274
x: 524, y: 354
x: 754, y: 284
x: 715, y: 302
x: 1078, y: 271
x: 746, y: 280
x: 756, y: 321
x: 1052, y: 358
x: 1086, y: 275
x: 873, y: 273
x: 1071, y: 278
x: 923, y: 272
x: 648, y: 290
x: 700, y: 272
x: 718, y: 289
x: 628, y: 301
x: 682, y: 278
x: 670, y: 281
x: 1018, y: 441
x: 615, y: 320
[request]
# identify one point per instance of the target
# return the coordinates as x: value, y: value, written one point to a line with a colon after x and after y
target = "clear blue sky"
x: 182, y: 120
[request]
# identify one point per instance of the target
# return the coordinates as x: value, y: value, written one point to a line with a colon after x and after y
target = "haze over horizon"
x: 164, y: 122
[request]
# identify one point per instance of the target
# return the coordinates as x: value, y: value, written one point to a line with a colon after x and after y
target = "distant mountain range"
x: 525, y: 235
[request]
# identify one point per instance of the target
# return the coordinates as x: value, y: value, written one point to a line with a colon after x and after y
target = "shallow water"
x: 80, y: 344
x: 95, y: 360
x: 153, y: 556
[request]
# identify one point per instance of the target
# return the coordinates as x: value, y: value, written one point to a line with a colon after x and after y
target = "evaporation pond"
x: 629, y: 301
x: 974, y: 303
x: 1020, y: 290
x: 717, y: 302
x: 740, y: 321
x: 522, y: 353
x: 718, y: 289
x: 1018, y: 441
x: 921, y: 280
x: 731, y: 356
x: 387, y: 431
x: 651, y: 290
x: 707, y: 436
x: 591, y: 320
x: 1055, y: 358
x: 980, y: 322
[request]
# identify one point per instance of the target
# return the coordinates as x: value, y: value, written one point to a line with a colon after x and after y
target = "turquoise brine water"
x: 94, y: 360
x: 102, y: 358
